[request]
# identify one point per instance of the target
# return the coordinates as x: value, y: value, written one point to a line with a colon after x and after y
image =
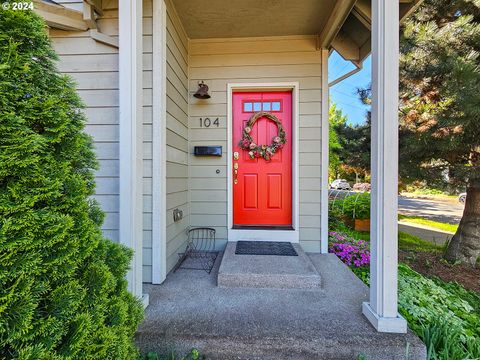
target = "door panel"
x: 250, y: 191
x: 274, y: 190
x: 262, y: 194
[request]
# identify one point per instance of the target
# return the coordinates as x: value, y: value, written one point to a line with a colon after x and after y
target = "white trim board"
x: 265, y: 235
x: 159, y: 141
x: 131, y: 137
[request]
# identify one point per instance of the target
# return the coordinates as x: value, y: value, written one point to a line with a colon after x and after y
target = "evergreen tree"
x: 63, y: 293
x: 335, y: 118
x: 440, y: 108
x: 353, y: 150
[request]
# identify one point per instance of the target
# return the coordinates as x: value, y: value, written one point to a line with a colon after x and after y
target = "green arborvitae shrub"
x: 63, y: 293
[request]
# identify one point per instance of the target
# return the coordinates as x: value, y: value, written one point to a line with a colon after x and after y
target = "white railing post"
x: 131, y: 113
x: 382, y: 310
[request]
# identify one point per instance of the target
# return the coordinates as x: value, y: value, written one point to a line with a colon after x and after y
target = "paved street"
x: 449, y: 211
x: 440, y: 210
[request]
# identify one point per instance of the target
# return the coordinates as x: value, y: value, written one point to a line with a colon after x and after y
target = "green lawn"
x: 427, y: 222
x: 410, y: 242
x: 405, y: 241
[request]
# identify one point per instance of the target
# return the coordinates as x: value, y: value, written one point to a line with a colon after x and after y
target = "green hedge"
x: 63, y: 293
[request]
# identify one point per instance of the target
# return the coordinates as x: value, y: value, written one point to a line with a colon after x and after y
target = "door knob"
x: 235, y: 166
x: 236, y: 155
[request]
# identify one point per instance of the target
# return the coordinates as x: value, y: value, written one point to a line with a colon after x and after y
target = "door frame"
x: 265, y: 235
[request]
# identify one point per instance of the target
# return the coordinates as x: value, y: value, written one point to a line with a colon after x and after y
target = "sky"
x: 344, y: 93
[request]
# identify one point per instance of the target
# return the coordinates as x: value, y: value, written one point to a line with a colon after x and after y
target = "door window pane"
x: 247, y: 106
x: 257, y: 106
x: 276, y: 106
x: 267, y: 106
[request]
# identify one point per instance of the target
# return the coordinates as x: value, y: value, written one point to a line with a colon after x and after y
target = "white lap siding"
x: 193, y: 185
x: 177, y: 135
x: 263, y: 60
x: 94, y: 67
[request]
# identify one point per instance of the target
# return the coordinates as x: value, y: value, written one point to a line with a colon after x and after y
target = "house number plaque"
x: 207, y: 122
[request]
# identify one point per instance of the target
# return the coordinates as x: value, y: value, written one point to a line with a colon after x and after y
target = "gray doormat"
x: 265, y: 248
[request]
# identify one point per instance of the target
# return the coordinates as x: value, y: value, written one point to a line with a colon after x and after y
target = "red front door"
x: 262, y: 190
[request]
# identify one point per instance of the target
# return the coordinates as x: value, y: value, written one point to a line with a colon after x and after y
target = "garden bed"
x: 426, y: 258
x: 431, y: 264
x: 440, y: 301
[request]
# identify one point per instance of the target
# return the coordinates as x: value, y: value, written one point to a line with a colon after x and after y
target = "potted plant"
x: 356, y: 209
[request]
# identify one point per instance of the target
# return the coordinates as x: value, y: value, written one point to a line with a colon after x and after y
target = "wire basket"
x: 200, y: 253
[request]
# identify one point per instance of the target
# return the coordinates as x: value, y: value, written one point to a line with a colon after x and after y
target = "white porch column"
x: 325, y: 153
x: 159, y: 143
x: 130, y: 104
x: 382, y: 309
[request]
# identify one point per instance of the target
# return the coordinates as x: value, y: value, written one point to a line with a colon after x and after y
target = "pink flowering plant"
x: 351, y: 251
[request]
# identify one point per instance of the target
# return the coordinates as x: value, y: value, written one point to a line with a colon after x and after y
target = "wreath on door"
x: 262, y: 151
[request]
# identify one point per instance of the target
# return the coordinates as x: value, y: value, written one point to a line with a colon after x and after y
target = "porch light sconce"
x: 202, y: 92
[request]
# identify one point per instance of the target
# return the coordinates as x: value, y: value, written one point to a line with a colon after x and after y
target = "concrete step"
x: 267, y: 271
x: 325, y: 347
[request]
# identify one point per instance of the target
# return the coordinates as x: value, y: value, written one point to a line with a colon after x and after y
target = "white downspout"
x: 357, y: 69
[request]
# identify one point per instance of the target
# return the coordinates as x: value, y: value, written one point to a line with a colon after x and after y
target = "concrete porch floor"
x: 189, y: 311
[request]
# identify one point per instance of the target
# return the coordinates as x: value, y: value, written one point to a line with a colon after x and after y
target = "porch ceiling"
x: 344, y: 25
x: 250, y: 18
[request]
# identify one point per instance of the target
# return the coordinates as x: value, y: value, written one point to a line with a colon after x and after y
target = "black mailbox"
x: 207, y: 151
